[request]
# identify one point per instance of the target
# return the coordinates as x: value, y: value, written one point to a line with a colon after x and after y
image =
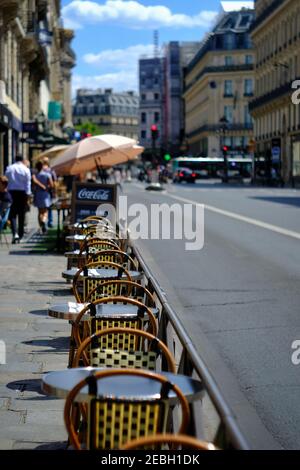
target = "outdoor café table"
x: 80, y: 238
x: 70, y: 310
x: 100, y: 273
x: 79, y: 226
x: 59, y: 384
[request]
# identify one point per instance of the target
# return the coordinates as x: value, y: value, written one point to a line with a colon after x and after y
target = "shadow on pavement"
x: 290, y: 201
x: 53, y: 446
x: 60, y: 343
x: 26, y: 385
x: 42, y: 313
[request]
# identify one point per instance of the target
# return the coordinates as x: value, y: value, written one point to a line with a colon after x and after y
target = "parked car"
x: 184, y: 174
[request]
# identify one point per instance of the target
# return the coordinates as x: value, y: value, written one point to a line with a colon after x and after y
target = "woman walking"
x: 42, y: 194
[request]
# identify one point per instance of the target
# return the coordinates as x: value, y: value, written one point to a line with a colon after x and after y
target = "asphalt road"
x: 242, y: 290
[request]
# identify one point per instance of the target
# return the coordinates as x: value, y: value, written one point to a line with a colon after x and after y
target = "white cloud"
x: 119, y: 68
x: 123, y: 80
x: 132, y: 14
x: 119, y: 59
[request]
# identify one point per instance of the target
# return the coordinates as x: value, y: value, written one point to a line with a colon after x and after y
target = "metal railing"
x: 211, y: 417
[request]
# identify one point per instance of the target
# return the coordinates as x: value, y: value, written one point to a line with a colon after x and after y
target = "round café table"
x: 59, y: 384
x: 80, y: 238
x: 70, y: 310
x: 101, y: 273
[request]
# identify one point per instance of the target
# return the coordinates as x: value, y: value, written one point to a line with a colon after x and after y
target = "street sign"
x: 54, y: 111
x: 30, y: 127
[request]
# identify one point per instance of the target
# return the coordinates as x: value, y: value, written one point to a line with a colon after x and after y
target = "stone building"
x: 35, y: 64
x: 177, y: 56
x: 152, y: 99
x: 276, y: 37
x: 114, y: 113
x: 219, y: 83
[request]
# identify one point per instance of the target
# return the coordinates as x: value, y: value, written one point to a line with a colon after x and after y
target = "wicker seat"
x: 100, y: 356
x: 79, y: 258
x: 113, y: 256
x: 113, y: 422
x: 130, y: 289
x: 174, y: 442
x: 90, y: 284
x: 82, y: 330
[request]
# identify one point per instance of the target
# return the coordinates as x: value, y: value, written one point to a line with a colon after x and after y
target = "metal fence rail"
x: 211, y: 418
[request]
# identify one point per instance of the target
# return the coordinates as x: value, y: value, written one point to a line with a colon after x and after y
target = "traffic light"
x: 154, y: 132
x: 167, y: 157
x: 225, y: 150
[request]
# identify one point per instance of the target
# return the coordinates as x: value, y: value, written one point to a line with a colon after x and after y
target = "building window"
x: 156, y: 117
x: 143, y: 97
x: 143, y: 134
x: 144, y: 118
x: 228, y: 88
x: 247, y: 116
x: 229, y: 41
x: 228, y: 60
x: 249, y: 59
x: 156, y: 96
x: 248, y: 87
x: 228, y: 113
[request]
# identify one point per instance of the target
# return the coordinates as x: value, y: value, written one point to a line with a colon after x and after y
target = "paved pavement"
x: 240, y: 296
x: 240, y: 293
x: 35, y: 344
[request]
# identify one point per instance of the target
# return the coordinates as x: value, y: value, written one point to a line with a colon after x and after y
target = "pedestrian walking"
x: 118, y: 178
x: 52, y: 173
x: 42, y: 198
x: 19, y: 186
x: 5, y: 198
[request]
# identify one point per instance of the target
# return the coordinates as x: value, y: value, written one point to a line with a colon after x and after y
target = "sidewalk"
x: 35, y: 344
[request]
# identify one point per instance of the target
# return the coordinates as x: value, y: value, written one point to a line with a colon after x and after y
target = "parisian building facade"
x: 177, y: 56
x: 114, y: 113
x: 219, y: 83
x: 276, y: 38
x: 152, y: 98
x: 35, y: 69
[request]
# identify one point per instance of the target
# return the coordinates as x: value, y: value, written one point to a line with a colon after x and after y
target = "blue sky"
x: 110, y: 35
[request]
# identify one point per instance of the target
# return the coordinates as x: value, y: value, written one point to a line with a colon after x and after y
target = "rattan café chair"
x: 82, y: 330
x: 78, y: 258
x: 113, y: 256
x: 125, y: 288
x: 122, y: 358
x: 174, y: 442
x: 89, y: 284
x: 112, y: 422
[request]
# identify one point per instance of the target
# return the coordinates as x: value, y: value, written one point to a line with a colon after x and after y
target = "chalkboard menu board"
x: 87, y: 197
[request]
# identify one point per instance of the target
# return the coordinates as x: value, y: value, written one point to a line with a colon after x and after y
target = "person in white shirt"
x: 19, y: 186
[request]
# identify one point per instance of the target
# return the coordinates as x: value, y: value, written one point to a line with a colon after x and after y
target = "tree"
x: 89, y: 128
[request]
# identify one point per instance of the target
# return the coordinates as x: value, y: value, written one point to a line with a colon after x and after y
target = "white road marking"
x: 241, y: 218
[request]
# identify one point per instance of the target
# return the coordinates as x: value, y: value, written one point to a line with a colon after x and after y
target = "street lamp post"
x: 223, y: 128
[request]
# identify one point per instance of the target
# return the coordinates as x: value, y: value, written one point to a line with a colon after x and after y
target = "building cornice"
x: 213, y: 128
x: 220, y: 69
x: 271, y: 97
x: 267, y: 15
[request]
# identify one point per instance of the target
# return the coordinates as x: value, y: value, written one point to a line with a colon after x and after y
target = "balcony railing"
x: 247, y: 126
x: 221, y: 69
x: 273, y: 95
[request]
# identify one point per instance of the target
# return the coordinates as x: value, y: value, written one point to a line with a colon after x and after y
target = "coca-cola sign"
x: 88, y: 194
x: 88, y: 197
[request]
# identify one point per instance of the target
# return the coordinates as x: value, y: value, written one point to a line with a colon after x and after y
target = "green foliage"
x: 89, y: 128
